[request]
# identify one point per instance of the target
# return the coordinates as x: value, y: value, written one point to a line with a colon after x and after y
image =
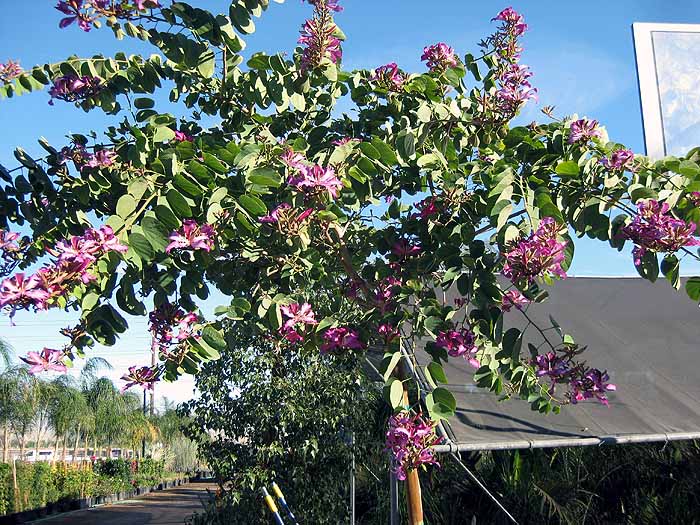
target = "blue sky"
x: 581, y: 53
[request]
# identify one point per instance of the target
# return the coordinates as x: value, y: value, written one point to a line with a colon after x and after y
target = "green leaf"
x: 183, y: 183
x: 178, y: 203
x: 144, y: 103
x: 167, y: 217
x: 214, y: 338
x: 163, y: 134
x: 267, y: 177
x: 692, y: 288
x: 435, y: 371
x: 214, y: 163
x: 126, y: 205
x: 388, y: 364
x: 252, y: 205
x: 155, y: 232
x: 393, y: 392
x: 406, y: 144
x: 207, y: 63
x: 140, y: 245
x: 568, y: 168
x: 443, y: 396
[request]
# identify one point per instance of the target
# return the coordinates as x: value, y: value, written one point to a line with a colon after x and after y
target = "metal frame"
x: 652, y: 118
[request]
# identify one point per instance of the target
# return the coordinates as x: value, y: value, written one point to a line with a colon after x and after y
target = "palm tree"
x: 25, y: 401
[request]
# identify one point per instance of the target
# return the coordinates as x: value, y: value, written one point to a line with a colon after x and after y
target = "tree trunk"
x: 6, y: 444
x: 85, y: 453
x: 75, y: 444
x: 55, y: 450
x: 63, y: 453
x: 22, y: 444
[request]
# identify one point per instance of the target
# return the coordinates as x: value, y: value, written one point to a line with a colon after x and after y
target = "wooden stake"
x: 413, y: 492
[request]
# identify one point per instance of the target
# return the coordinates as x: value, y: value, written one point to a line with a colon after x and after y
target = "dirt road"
x: 167, y: 506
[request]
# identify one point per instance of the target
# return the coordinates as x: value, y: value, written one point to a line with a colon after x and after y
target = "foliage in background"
x: 264, y: 415
x: 40, y: 484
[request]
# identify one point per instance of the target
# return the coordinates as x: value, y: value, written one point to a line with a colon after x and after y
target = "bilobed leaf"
x: 567, y: 168
x: 207, y: 63
x: 435, y: 371
x: 140, y: 245
x: 393, y: 392
x: 692, y: 288
x: 267, y: 177
x: 388, y: 364
x: 163, y: 134
x: 126, y: 205
x: 178, y: 203
x: 155, y: 232
x: 252, y: 205
x: 214, y: 338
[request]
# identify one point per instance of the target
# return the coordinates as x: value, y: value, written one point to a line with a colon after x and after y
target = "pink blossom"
x: 593, y: 385
x: 409, y: 440
x: 101, y: 159
x: 654, y: 229
x: 388, y: 332
x: 345, y: 140
x: 389, y: 77
x: 341, y: 338
x: 513, y: 20
x: 331, y: 5
x: 583, y: 130
x: 538, y: 255
x: 169, y: 324
x: 71, y: 88
x: 192, y: 236
x: 515, y: 89
x: 317, y: 178
x: 46, y: 360
x: 513, y: 298
x: 8, y: 244
x: 181, y: 136
x: 293, y: 159
x: 428, y: 207
x: 9, y: 71
x: 459, y: 344
x: 298, y: 316
x: 319, y: 43
x: 274, y: 215
x: 403, y: 249
x: 621, y: 159
x: 439, y: 57
x: 144, y: 376
x: 87, y: 12
x: 21, y: 292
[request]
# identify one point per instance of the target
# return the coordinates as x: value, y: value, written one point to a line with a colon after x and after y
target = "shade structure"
x: 647, y: 336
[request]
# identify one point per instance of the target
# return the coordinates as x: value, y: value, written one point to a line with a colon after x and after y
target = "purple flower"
x: 9, y: 71
x: 331, y: 5
x: 293, y: 160
x: 8, y: 241
x: 513, y: 21
x: 593, y: 385
x: 583, y: 130
x: 428, y: 207
x: 459, y: 344
x: 552, y: 366
x: 144, y: 376
x: 409, y: 440
x: 181, y: 136
x: 388, y: 332
x: 515, y: 89
x: 341, y: 338
x: 403, y: 249
x: 317, y: 178
x: 274, y: 216
x: 439, y: 57
x: 389, y: 77
x: 170, y: 325
x: 538, y: 255
x: 192, y: 236
x: 654, y: 229
x: 513, y: 298
x: 101, y: 159
x: 621, y: 159
x: 319, y: 43
x: 345, y: 140
x: 72, y: 88
x: 46, y: 360
x: 298, y: 316
x: 21, y: 292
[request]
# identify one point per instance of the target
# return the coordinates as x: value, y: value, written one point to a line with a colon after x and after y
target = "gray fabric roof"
x: 648, y: 338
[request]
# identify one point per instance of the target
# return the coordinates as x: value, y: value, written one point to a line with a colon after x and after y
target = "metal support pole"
x: 352, y: 479
x: 143, y: 440
x: 394, y: 499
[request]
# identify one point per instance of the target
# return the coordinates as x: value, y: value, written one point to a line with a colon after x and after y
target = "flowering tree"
x: 331, y: 230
